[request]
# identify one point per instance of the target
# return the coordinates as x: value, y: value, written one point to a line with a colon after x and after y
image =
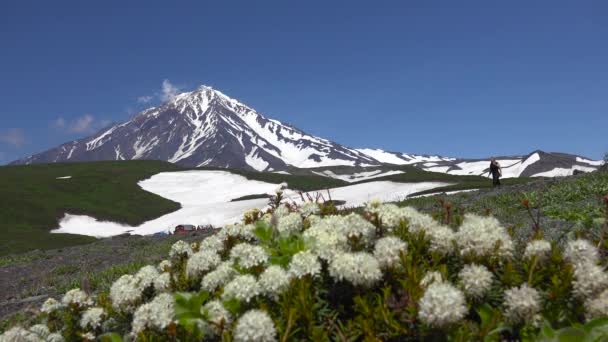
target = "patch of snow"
x: 590, y: 162
x: 204, y: 195
x: 205, y: 198
x: 444, y: 193
x: 64, y: 177
x: 254, y: 161
x: 442, y: 169
x: 359, y: 194
x: 282, y: 172
x: 562, y: 172
x: 357, y: 177
x: 71, y: 151
x: 383, y: 156
x: 95, y: 143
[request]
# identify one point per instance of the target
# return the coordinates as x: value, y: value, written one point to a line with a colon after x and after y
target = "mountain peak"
x: 205, y: 127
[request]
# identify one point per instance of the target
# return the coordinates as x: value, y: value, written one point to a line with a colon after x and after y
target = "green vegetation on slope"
x: 564, y: 206
x: 33, y: 199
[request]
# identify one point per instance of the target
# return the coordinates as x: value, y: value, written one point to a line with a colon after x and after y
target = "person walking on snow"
x: 496, y: 172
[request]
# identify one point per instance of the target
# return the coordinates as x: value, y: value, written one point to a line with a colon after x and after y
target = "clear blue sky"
x: 457, y: 78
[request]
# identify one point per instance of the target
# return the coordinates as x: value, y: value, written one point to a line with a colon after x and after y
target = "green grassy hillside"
x: 32, y: 199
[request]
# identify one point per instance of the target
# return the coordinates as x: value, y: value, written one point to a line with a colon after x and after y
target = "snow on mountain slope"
x: 207, y: 128
x: 536, y: 164
x: 358, y: 176
x: 205, y: 197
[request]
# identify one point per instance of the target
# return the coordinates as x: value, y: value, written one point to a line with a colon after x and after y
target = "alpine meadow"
x: 303, y: 171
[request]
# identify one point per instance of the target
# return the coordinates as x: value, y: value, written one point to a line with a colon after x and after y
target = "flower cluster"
x: 247, y: 255
x: 76, y: 297
x: 255, y: 326
x: 157, y: 314
x: 274, y: 280
x: 303, y: 264
x: 538, y: 248
x: 483, y: 236
x: 388, y: 250
x: 202, y: 262
x: 180, y: 248
x: 442, y: 304
x: 234, y: 285
x: 243, y: 287
x: 360, y: 269
x: 92, y: 318
x: 218, y: 277
x: 522, y: 303
x: 290, y: 224
x: 475, y: 280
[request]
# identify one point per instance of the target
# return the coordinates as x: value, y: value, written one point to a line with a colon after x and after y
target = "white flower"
x: 538, y: 248
x: 304, y: 263
x: 274, y: 280
x: 18, y: 334
x: 442, y: 238
x: 213, y: 243
x: 201, y: 262
x: 521, y: 303
x: 360, y: 269
x: 88, y: 336
x: 581, y: 251
x: 324, y: 242
x: 164, y: 266
x: 388, y: 250
x: 431, y: 278
x: 218, y: 277
x: 255, y: 326
x: 248, y: 255
x: 356, y: 227
x: 442, y: 304
x: 242, y: 287
x: 475, y: 280
x: 157, y: 314
x: 235, y: 231
x: 91, y: 319
x: 597, y: 307
x: 481, y: 235
x: 390, y: 215
x: 180, y: 248
x: 146, y: 276
x: 251, y: 214
x: 290, y: 224
x: 309, y: 208
x: 125, y: 292
x: 416, y: 221
x: 589, y: 279
x: 281, y: 211
x: 163, y: 282
x: 217, y: 314
x: 77, y: 297
x: 40, y: 330
x: 55, y: 337
x: 50, y: 305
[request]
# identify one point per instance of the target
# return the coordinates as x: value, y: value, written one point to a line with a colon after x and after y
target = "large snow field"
x: 359, y: 194
x: 205, y: 198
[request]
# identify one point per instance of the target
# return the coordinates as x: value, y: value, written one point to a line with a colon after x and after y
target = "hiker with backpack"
x: 495, y: 171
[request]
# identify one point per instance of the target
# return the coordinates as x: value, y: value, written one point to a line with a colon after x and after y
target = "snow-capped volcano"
x: 207, y: 128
